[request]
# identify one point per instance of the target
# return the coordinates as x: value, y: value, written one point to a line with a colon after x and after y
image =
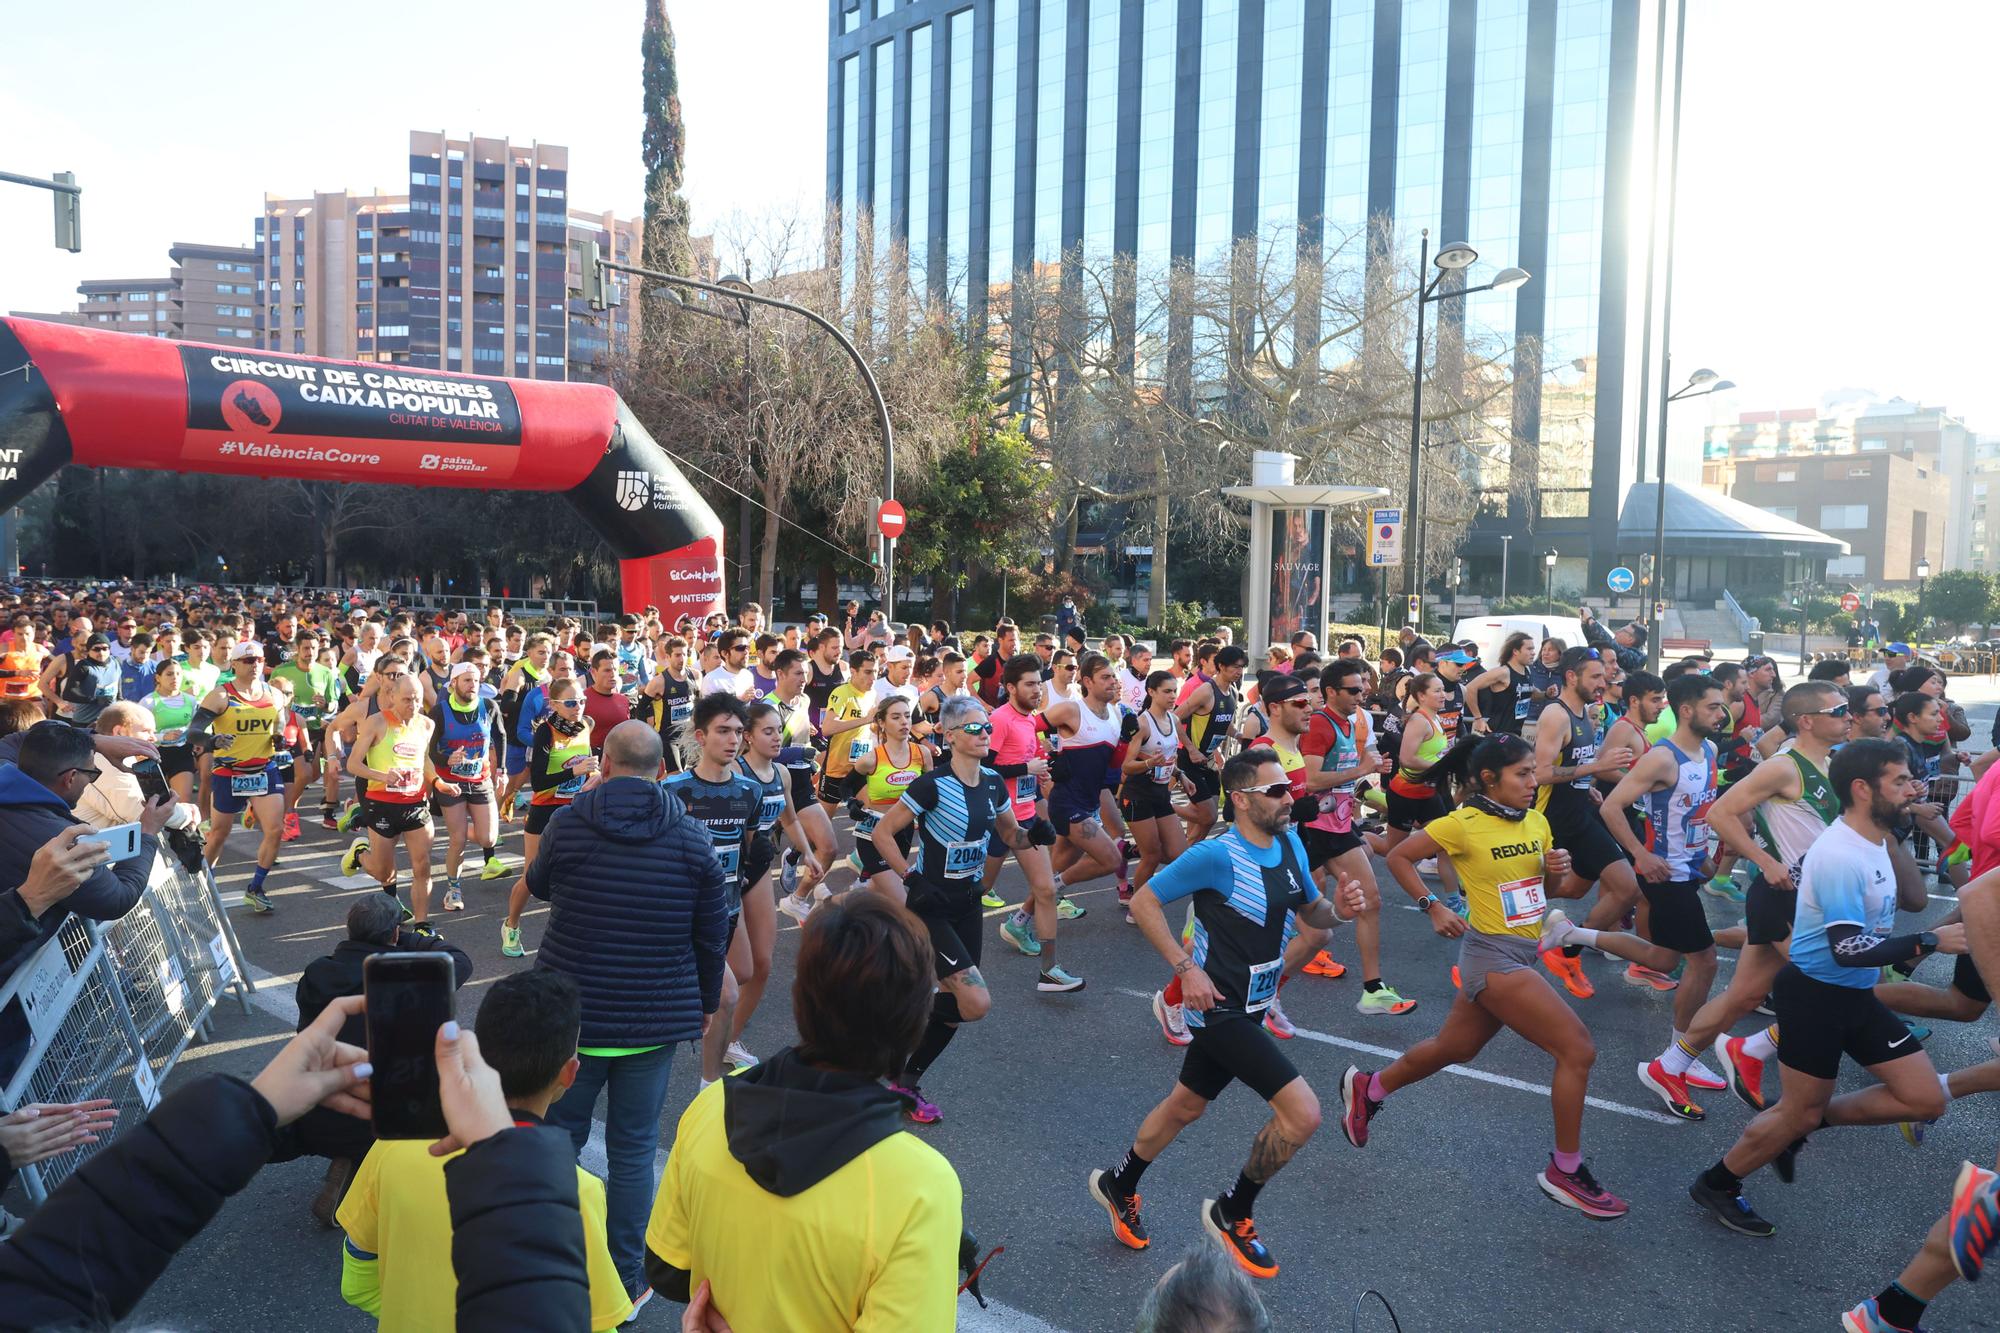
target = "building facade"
x: 208, y: 295
x: 993, y: 137
x: 468, y: 268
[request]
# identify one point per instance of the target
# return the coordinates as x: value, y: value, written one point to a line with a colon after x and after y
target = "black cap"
x: 1282, y: 688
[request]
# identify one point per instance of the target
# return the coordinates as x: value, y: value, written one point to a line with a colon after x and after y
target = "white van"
x: 1489, y: 632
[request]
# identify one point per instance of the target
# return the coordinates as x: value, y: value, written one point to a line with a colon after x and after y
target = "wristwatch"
x: 1428, y: 901
x: 1927, y: 942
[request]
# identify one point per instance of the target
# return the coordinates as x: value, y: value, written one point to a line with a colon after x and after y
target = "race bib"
x: 466, y: 762
x: 173, y: 736
x: 1523, y: 901
x: 1262, y: 987
x: 771, y: 810
x: 680, y: 710
x: 962, y: 860
x: 865, y: 826
x: 1520, y: 708
x: 1026, y: 787
x: 405, y: 786
x: 859, y: 747
x: 1582, y: 756
x: 730, y: 857
x: 250, y: 784
x: 1163, y: 774
x: 571, y: 785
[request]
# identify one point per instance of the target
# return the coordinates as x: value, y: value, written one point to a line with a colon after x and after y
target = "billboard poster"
x: 1298, y: 573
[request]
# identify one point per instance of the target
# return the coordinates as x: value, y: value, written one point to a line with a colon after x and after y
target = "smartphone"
x: 122, y: 839
x: 409, y: 997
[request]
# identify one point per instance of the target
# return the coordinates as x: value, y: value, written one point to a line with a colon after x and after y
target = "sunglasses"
x: 1350, y: 689
x: 1269, y: 789
x: 1838, y: 710
x: 89, y: 774
x: 566, y: 703
x: 976, y: 728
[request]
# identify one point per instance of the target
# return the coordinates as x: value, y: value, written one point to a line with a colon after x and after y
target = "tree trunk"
x: 1156, y: 600
x: 767, y: 564
x: 746, y: 517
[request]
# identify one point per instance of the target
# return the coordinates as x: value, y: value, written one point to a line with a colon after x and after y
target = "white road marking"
x: 1479, y: 1075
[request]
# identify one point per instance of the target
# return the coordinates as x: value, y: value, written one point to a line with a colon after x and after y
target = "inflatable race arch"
x: 101, y: 399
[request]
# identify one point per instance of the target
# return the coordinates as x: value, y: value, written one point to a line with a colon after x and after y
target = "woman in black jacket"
x: 90, y: 1252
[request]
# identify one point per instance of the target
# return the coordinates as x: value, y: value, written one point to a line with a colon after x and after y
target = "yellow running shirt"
x: 1499, y: 863
x: 245, y: 732
x: 841, y: 751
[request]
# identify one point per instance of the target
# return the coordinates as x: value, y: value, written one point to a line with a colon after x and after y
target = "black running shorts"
x: 1204, y: 781
x: 1678, y: 921
x: 1143, y: 798
x: 1965, y: 979
x: 1818, y: 1023
x: 1592, y: 850
x: 1323, y: 845
x: 1230, y: 1047
x: 392, y: 819
x: 1411, y: 813
x: 1767, y: 912
x: 953, y: 918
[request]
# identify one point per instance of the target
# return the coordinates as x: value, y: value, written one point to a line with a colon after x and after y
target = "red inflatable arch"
x: 78, y: 395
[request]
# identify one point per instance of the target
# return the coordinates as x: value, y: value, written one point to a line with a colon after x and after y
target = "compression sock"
x: 1372, y: 986
x: 1763, y: 1044
x: 942, y: 1027
x: 1172, y: 994
x: 1567, y: 1162
x: 1720, y: 1177
x: 1899, y: 1307
x: 1241, y: 1200
x: 257, y: 878
x: 1125, y: 1180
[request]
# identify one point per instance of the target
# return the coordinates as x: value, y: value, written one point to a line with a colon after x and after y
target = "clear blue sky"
x: 1835, y: 163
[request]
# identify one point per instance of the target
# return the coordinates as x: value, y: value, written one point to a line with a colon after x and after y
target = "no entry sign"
x: 890, y: 519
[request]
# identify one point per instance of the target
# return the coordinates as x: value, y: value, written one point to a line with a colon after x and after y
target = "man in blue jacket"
x: 639, y: 919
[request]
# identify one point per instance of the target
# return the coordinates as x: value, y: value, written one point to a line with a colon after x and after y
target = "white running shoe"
x: 1276, y: 1023
x: 794, y: 909
x: 739, y: 1057
x: 1172, y: 1019
x: 1428, y: 866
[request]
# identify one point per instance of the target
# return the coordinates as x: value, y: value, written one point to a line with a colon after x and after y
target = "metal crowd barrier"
x: 107, y: 1008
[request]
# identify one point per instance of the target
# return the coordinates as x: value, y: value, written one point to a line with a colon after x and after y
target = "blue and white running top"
x: 1242, y: 897
x: 1845, y: 880
x: 1677, y: 817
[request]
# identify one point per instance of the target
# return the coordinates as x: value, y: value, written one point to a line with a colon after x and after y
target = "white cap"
x: 900, y: 653
x: 247, y: 648
x: 464, y: 669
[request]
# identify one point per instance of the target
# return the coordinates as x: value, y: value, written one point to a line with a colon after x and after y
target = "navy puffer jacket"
x: 639, y: 913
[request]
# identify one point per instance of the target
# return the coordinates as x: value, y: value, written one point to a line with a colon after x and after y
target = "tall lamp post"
x: 1453, y: 258
x: 1506, y: 546
x: 1923, y: 573
x: 1549, y: 583
x: 1703, y: 381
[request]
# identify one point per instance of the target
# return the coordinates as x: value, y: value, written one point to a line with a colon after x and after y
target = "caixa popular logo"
x: 449, y: 463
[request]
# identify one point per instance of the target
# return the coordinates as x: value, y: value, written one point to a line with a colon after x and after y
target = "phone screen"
x: 409, y: 997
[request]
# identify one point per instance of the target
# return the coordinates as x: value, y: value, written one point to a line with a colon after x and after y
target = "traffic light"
x: 588, y: 261
x: 69, y: 214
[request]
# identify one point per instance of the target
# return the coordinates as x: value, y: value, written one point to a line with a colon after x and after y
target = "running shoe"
x: 1456, y: 984
x: 1629, y: 921
x: 1126, y: 850
x: 1579, y: 1189
x: 1570, y: 972
x: 1867, y: 1318
x: 1357, y: 1107
x: 1125, y: 896
x: 248, y: 819
x: 795, y: 909
x: 1786, y: 1163
x: 1172, y: 1019
x: 1744, y: 1072
x: 920, y: 1110
x: 350, y: 861
x: 409, y: 912
x: 1556, y: 929
x: 1277, y: 1024
x: 1428, y: 866
x: 1069, y: 911
x: 1974, y: 1219
x: 1021, y: 937
x: 257, y: 900
x: 854, y: 862
x: 1384, y: 1001
x: 1725, y: 888
x: 454, y: 901
x: 1671, y: 1089
x: 1701, y: 1077
x: 739, y: 1057
x: 991, y: 901
x: 1055, y: 981
x: 349, y: 817
x: 1637, y: 974
x: 1913, y: 1131
x: 1917, y: 1030
x: 1900, y: 971
x: 1323, y: 965
x: 1124, y: 1210
x: 328, y: 817
x: 788, y: 874
x: 510, y: 942
x: 1766, y: 1008
x: 494, y: 867
x: 1730, y: 1208
x: 1239, y: 1240
x: 423, y: 930
x: 291, y: 833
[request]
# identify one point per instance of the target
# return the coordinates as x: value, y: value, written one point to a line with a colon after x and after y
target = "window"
x: 393, y: 330
x: 1785, y: 474
x: 1783, y: 511
x: 1847, y: 567
x: 1871, y: 442
x: 1843, y: 516
x: 1863, y: 471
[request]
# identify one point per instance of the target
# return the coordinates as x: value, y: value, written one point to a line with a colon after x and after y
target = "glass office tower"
x: 992, y: 136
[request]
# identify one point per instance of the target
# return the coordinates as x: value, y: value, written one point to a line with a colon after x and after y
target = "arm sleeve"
x: 538, y: 763
x: 1202, y: 866
x: 87, y: 1255
x: 1855, y: 947
x: 517, y: 1233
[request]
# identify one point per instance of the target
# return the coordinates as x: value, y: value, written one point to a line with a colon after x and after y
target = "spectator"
x: 397, y: 1218
x: 1067, y: 616
x: 1204, y: 1293
x: 374, y: 925
x: 639, y: 919
x: 58, y: 867
x: 517, y: 1245
x: 57, y: 762
x: 757, y: 1167
x: 42, y: 1130
x: 1627, y: 646
x: 115, y: 797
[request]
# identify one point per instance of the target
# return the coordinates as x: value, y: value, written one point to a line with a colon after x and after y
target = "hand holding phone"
x: 409, y: 997
x: 120, y: 840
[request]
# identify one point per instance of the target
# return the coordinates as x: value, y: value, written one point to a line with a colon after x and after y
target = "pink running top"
x: 1016, y: 740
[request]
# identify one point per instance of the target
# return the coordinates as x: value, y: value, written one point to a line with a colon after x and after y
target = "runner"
x: 1825, y: 995
x: 173, y: 710
x: 1505, y: 694
x: 795, y: 755
x: 1455, y: 715
x: 1244, y: 886
x: 529, y: 673
x: 729, y: 803
x: 1771, y: 818
x: 885, y: 773
x: 673, y: 691
x: 1509, y: 861
x: 559, y: 766
x: 392, y: 756
x: 1413, y: 797
x: 1206, y: 713
x: 238, y: 724
x: 1569, y: 756
x: 21, y: 665
x: 315, y: 698
x: 844, y: 726
x: 1087, y: 732
x: 604, y: 701
x: 1019, y: 758
x: 1339, y: 737
x: 762, y: 762
x: 1151, y: 737
x: 462, y: 757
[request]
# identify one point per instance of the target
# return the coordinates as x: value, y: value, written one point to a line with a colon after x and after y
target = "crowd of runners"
x: 1548, y: 806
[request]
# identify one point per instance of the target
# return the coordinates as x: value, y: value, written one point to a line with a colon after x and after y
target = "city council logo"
x: 634, y: 489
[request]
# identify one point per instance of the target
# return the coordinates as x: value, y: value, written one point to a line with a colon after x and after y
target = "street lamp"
x: 1452, y: 258
x: 1702, y: 382
x: 1506, y: 545
x: 1923, y: 572
x: 1549, y: 583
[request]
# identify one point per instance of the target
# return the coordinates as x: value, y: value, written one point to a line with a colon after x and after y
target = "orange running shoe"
x: 1570, y: 971
x: 1126, y: 1227
x: 1637, y: 974
x: 1322, y: 965
x: 1455, y: 984
x: 1239, y: 1239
